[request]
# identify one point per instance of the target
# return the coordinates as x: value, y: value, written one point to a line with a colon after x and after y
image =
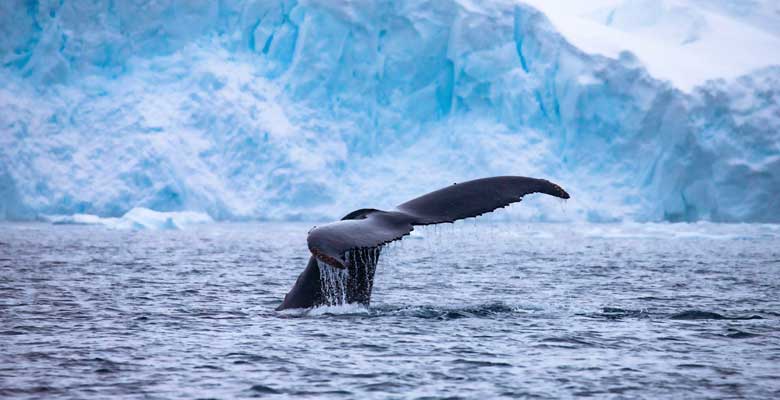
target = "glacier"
x: 305, y: 110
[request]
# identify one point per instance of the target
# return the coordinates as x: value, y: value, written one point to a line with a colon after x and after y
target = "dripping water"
x: 333, y: 283
x: 354, y: 283
x: 370, y: 258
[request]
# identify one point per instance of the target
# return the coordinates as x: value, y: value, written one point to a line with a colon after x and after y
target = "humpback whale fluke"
x: 345, y: 253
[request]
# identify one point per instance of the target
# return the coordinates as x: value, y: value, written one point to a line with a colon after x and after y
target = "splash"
x: 337, y: 310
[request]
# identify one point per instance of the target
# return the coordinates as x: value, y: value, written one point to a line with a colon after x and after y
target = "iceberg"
x: 305, y: 110
x: 138, y: 218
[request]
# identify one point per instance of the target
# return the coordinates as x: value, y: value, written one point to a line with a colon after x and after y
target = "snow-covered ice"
x: 685, y: 41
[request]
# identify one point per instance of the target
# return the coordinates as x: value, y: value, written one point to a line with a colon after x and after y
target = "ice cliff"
x: 309, y: 109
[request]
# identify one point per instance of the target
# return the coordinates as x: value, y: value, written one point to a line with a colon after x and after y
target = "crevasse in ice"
x: 307, y: 110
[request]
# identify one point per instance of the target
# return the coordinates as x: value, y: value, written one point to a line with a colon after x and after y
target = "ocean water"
x: 486, y: 310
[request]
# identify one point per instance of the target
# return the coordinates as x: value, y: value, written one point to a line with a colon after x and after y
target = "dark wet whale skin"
x: 307, y: 291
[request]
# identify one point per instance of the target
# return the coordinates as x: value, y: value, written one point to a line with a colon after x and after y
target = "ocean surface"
x: 471, y: 310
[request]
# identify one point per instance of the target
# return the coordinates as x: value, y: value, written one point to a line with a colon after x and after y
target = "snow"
x: 284, y: 110
x: 684, y: 41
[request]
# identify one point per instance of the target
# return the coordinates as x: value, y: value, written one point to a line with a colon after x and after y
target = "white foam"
x: 338, y: 309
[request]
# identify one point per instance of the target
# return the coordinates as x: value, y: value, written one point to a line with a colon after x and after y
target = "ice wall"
x: 307, y: 110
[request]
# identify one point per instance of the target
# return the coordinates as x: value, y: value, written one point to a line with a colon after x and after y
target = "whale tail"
x: 353, y: 244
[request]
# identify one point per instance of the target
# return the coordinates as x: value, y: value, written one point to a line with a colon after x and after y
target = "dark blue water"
x: 471, y: 311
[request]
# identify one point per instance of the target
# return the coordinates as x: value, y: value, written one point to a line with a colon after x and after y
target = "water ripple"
x: 510, y: 310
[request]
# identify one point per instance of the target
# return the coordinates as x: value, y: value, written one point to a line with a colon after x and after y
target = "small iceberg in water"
x: 137, y: 218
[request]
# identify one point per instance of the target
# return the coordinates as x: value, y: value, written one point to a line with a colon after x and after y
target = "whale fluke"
x: 370, y: 228
x: 354, y: 242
